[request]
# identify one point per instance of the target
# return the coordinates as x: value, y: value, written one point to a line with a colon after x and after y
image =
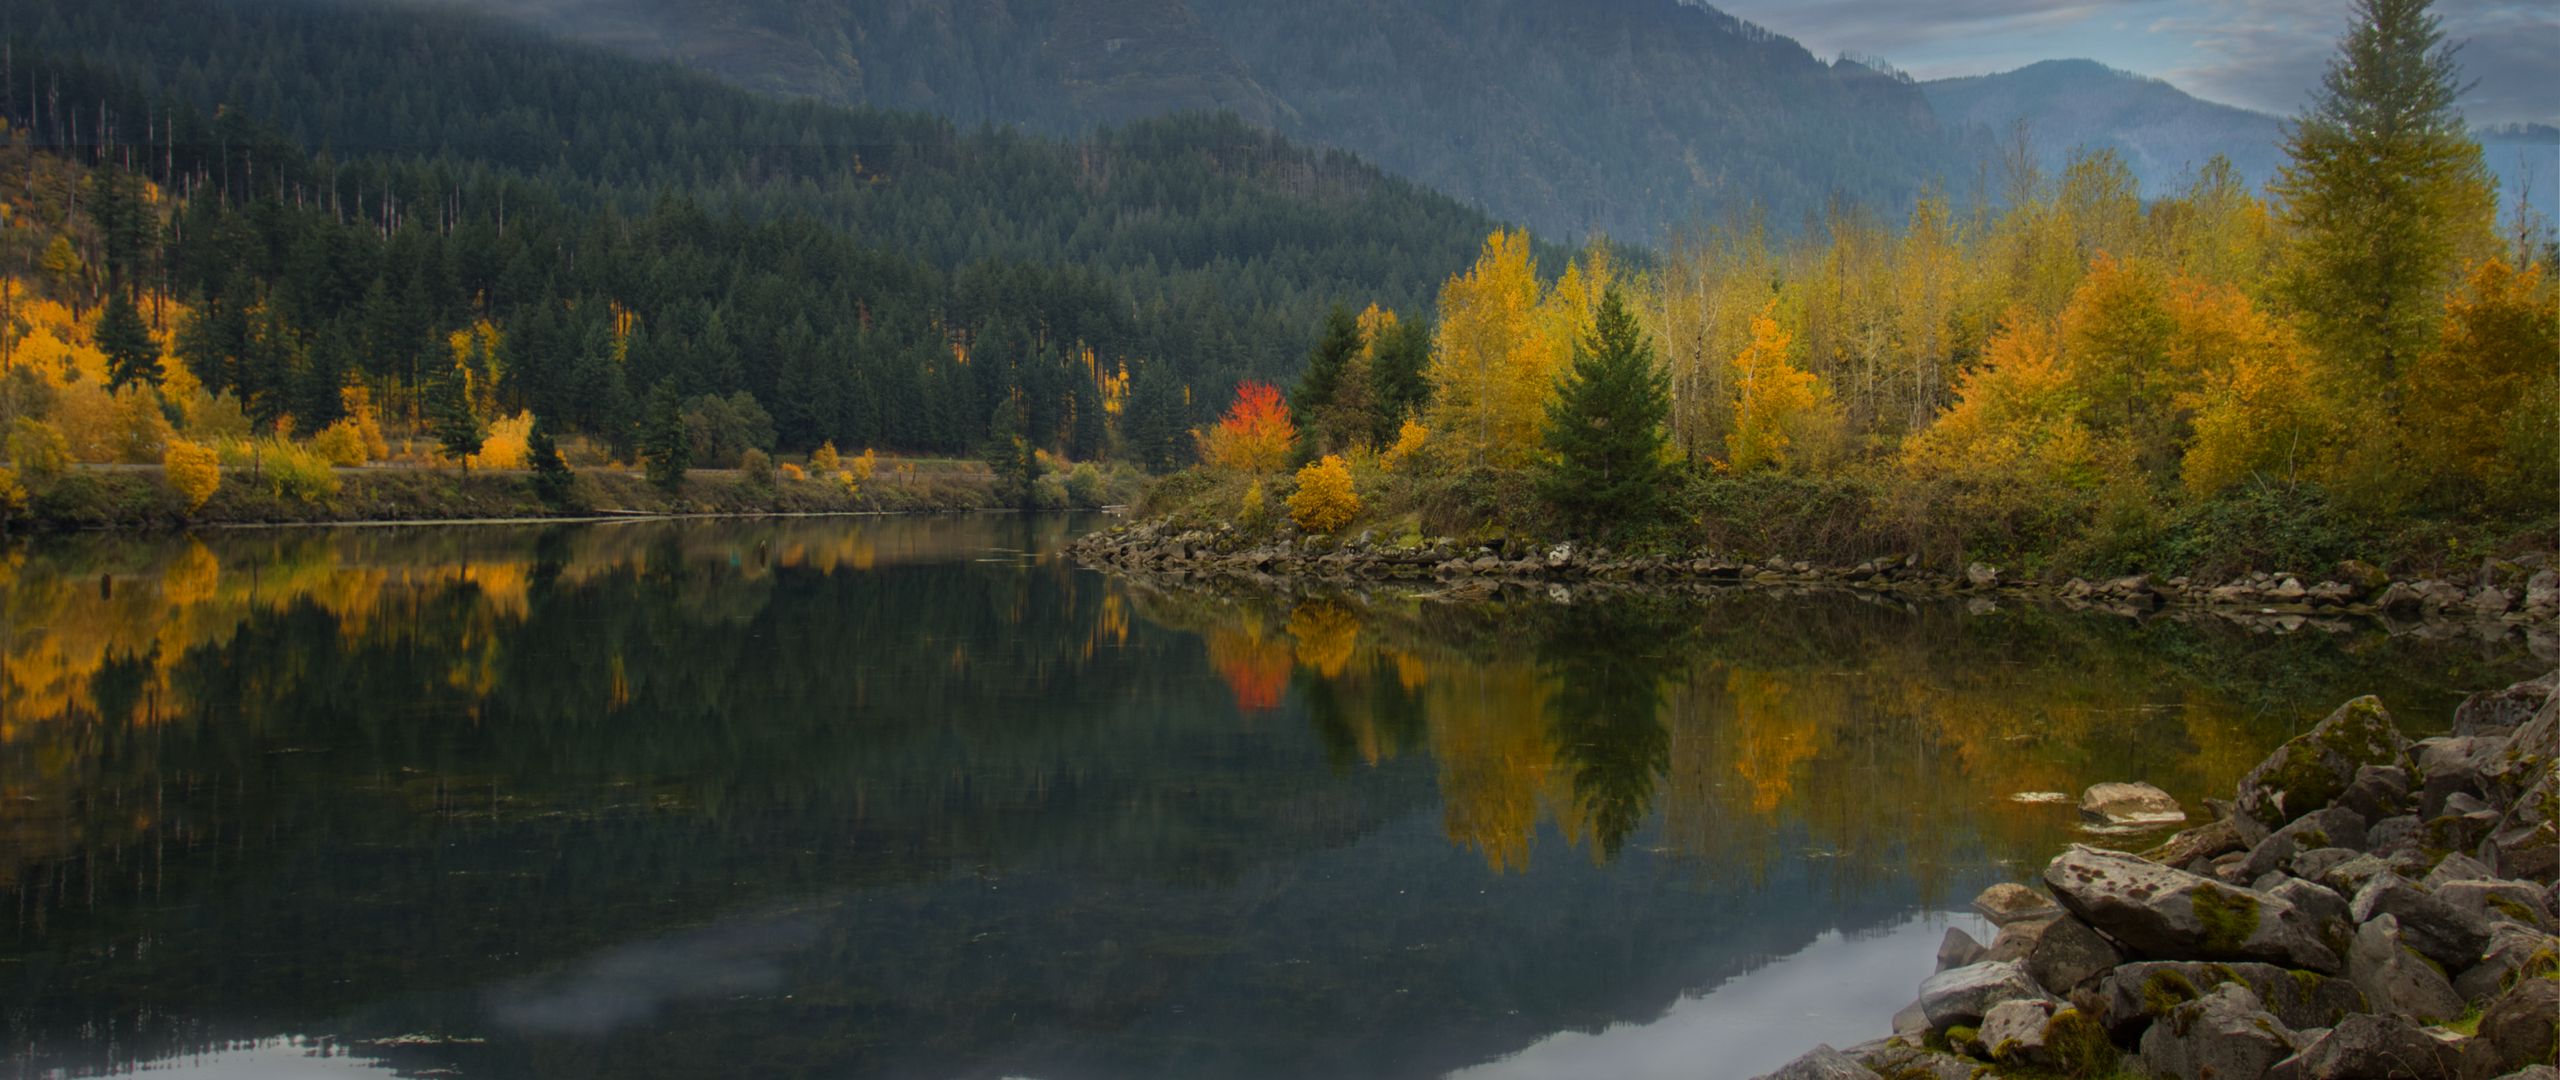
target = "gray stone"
x: 2010, y: 902
x: 2446, y: 934
x: 2014, y: 1031
x: 2314, y: 865
x: 2397, y: 978
x: 2331, y: 917
x: 2454, y: 765
x: 1958, y: 949
x: 1912, y: 1020
x: 2125, y: 999
x: 2496, y: 712
x: 2394, y: 836
x: 2525, y: 842
x: 2222, y: 1035
x: 2513, y: 949
x: 2058, y: 953
x: 2378, y: 792
x: 1823, y: 1063
x: 2312, y: 769
x: 2130, y: 804
x: 2493, y: 902
x: 2162, y: 912
x: 2334, y: 827
x: 2458, y: 867
x: 1914, y: 1063
x: 2521, y: 1028
x: 2375, y: 1047
x: 1964, y: 995
x: 2201, y: 842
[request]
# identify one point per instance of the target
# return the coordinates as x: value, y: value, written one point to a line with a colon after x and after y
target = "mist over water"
x: 915, y: 797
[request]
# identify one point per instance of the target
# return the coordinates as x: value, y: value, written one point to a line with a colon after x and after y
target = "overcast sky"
x: 2262, y: 54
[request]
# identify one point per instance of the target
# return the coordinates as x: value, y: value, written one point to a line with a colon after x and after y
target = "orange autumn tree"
x: 1776, y: 404
x: 2258, y: 411
x: 1256, y: 434
x: 2481, y: 403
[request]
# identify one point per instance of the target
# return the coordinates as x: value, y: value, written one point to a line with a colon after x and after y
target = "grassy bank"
x: 140, y: 498
x: 1847, y: 517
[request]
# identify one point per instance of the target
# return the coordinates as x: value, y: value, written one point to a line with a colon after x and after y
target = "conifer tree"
x: 449, y: 416
x: 1604, y: 427
x: 1334, y: 354
x: 132, y: 357
x: 664, y: 439
x: 2386, y: 195
x: 551, y: 477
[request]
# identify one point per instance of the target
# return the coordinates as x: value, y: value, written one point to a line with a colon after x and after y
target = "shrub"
x: 864, y: 467
x: 791, y: 471
x: 299, y: 472
x: 1254, y: 511
x: 193, y: 471
x: 757, y: 466
x: 342, y: 443
x: 825, y: 459
x: 13, y: 498
x: 1049, y: 492
x: 509, y: 444
x: 1325, y: 500
x: 1084, y: 486
x: 846, y: 480
x: 39, y: 449
x: 141, y: 427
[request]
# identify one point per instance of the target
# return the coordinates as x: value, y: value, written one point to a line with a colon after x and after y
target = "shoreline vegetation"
x: 2364, y: 906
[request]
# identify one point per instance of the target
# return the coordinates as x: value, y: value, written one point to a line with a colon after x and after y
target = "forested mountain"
x: 354, y: 186
x: 2163, y: 133
x: 1622, y: 116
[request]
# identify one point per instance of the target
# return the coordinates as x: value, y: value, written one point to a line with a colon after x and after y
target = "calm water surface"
x: 915, y: 798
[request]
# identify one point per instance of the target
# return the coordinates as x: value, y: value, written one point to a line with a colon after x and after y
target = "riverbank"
x: 2365, y: 906
x: 2523, y: 591
x: 139, y: 498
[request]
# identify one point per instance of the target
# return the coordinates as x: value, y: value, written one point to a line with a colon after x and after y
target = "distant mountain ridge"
x: 2164, y: 134
x: 1617, y: 116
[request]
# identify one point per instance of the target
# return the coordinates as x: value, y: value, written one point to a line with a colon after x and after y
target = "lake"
x: 917, y: 797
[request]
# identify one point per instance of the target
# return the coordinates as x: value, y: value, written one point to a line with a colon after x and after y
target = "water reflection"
x: 916, y: 798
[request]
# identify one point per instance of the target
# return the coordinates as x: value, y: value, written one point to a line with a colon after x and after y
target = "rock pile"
x: 2367, y: 907
x: 2517, y: 591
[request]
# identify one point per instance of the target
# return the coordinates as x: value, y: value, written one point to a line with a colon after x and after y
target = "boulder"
x: 2378, y: 792
x: 2458, y: 867
x: 2373, y: 1047
x: 1823, y: 1063
x: 2446, y: 934
x: 2330, y: 915
x: 2493, y: 901
x: 2513, y: 951
x: 2221, y: 1035
x: 2315, y: 864
x: 2396, y: 838
x: 1912, y: 1020
x: 2525, y: 841
x: 2131, y: 996
x: 2014, y: 1031
x: 1965, y: 995
x: 2454, y: 765
x: 1908, y: 1062
x: 2010, y: 902
x: 2162, y: 912
x: 2129, y: 805
x: 1958, y: 949
x: 2058, y: 953
x: 2333, y: 827
x: 2496, y: 712
x: 2519, y: 1029
x: 2202, y: 842
x: 2397, y: 978
x: 2313, y: 769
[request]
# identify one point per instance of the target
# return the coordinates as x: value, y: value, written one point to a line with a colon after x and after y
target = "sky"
x: 2259, y: 54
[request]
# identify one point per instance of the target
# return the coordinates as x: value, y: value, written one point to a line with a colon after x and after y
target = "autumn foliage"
x: 1255, y: 436
x: 1324, y: 500
x: 193, y: 471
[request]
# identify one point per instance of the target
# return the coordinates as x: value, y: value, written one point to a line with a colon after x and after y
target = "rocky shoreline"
x: 2506, y: 592
x: 2364, y: 907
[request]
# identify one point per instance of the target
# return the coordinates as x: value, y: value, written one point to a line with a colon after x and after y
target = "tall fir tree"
x: 664, y: 440
x: 449, y: 415
x: 1335, y: 352
x: 1009, y: 452
x: 2386, y: 197
x: 132, y: 356
x: 1603, y: 428
x: 552, y: 480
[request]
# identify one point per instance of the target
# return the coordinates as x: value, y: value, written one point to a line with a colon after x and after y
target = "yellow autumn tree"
x: 2016, y: 419
x: 2479, y: 404
x: 1776, y: 405
x: 193, y: 471
x: 1488, y: 376
x: 2115, y: 341
x: 1325, y: 499
x: 508, y: 444
x: 2256, y: 408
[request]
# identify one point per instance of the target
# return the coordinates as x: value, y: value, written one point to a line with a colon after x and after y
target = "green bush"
x: 1085, y: 486
x: 298, y: 472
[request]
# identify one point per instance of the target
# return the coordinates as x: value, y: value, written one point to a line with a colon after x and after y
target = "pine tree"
x: 664, y: 439
x: 1604, y: 428
x: 449, y: 415
x: 2385, y: 193
x: 1313, y: 398
x: 552, y: 480
x: 132, y: 356
x: 1009, y: 453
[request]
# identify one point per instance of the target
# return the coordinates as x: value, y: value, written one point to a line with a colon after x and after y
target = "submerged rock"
x: 2129, y: 804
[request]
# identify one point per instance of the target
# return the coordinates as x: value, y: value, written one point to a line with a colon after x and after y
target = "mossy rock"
x: 2310, y: 771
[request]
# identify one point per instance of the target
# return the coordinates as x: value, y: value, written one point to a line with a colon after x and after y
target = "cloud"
x: 2269, y: 54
